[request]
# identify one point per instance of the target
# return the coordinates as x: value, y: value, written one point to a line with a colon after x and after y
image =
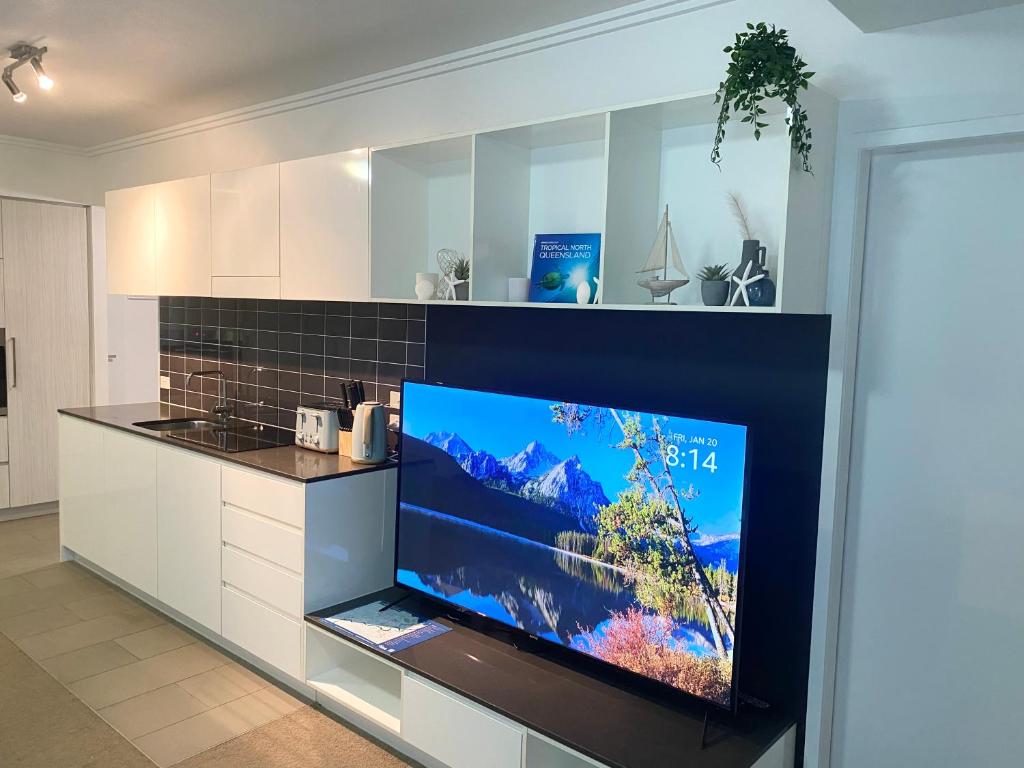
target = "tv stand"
x: 467, y: 698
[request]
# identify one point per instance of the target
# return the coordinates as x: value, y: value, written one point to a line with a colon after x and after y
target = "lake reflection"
x: 544, y: 591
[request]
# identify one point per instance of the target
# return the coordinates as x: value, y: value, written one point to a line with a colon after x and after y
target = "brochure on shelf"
x: 565, y: 268
x: 387, y: 628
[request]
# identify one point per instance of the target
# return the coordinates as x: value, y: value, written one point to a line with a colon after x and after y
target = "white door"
x: 133, y: 349
x: 932, y: 619
x: 46, y: 280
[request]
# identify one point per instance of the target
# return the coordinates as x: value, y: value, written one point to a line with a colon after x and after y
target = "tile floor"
x: 167, y: 691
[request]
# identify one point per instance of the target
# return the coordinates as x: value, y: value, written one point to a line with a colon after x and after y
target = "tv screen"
x: 611, y: 532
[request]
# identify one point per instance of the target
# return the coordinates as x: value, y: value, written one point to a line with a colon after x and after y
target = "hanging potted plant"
x: 763, y: 65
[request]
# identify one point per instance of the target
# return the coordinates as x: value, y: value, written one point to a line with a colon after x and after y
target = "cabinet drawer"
x: 266, y: 634
x: 263, y: 581
x: 457, y: 733
x: 264, y: 495
x: 262, y: 537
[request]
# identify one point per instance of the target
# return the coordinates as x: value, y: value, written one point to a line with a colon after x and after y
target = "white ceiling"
x: 124, y: 67
x: 878, y: 15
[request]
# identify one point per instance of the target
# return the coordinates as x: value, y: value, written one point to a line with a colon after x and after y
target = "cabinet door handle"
x: 14, y: 362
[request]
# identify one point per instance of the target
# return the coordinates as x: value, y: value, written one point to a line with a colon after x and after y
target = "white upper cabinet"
x: 181, y: 224
x: 325, y: 227
x: 245, y: 209
x: 131, y: 257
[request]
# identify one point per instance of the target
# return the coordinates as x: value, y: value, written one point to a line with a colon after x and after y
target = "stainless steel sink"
x: 176, y: 425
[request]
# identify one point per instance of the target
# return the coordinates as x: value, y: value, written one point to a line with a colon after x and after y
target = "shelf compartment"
x: 658, y: 155
x: 420, y: 203
x: 542, y: 178
x: 342, y: 673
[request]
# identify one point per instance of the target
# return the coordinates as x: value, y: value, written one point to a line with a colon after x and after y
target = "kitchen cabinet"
x: 131, y: 252
x: 245, y: 214
x: 46, y: 294
x: 82, y: 496
x: 127, y: 521
x: 242, y: 553
x: 3, y: 309
x: 188, y: 534
x: 458, y: 733
x: 325, y: 227
x: 181, y: 234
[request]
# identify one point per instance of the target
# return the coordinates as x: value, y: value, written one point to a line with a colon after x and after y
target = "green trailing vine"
x: 763, y: 65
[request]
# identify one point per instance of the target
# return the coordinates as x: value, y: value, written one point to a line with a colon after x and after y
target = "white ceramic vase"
x: 426, y: 285
x: 519, y: 289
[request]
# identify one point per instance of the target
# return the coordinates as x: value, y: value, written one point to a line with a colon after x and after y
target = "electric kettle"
x: 369, y: 434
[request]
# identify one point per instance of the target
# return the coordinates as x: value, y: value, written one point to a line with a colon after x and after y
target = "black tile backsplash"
x: 277, y: 355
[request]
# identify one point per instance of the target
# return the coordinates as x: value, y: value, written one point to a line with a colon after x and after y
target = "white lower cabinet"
x: 229, y: 548
x: 188, y: 534
x: 456, y: 732
x: 127, y: 522
x: 263, y: 632
x: 82, y: 487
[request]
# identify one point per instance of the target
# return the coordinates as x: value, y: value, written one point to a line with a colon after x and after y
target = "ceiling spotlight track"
x: 22, y: 54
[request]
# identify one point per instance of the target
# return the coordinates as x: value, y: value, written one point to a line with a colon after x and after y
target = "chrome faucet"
x: 221, y: 410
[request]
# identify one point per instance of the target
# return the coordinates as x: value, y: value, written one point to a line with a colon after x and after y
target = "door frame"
x: 854, y: 153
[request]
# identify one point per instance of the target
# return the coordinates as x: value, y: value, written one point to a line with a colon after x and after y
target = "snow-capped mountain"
x: 483, y: 466
x: 450, y: 443
x: 711, y: 550
x: 534, y: 473
x: 568, y: 486
x: 533, y: 461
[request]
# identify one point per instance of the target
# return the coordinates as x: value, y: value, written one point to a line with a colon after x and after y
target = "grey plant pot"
x: 714, y: 293
x: 462, y: 291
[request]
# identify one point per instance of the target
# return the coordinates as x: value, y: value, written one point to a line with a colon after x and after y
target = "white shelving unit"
x: 422, y: 202
x: 342, y: 673
x: 611, y: 172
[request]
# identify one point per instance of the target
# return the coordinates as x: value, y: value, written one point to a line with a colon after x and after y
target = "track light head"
x: 22, y: 54
x: 16, y: 93
x: 45, y: 81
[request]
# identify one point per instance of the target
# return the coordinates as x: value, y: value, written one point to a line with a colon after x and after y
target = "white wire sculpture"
x: 447, y: 258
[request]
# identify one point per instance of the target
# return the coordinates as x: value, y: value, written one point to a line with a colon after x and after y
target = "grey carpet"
x: 304, y: 739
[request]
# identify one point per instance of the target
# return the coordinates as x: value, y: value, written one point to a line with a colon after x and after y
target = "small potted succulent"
x: 460, y: 272
x: 714, y: 285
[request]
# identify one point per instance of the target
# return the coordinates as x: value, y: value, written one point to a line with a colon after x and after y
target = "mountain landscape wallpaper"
x: 611, y: 532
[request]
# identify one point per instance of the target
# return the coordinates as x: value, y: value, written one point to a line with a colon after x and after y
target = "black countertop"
x: 288, y: 461
x: 612, y: 725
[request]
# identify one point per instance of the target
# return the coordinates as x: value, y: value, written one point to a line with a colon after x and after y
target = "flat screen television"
x: 611, y: 532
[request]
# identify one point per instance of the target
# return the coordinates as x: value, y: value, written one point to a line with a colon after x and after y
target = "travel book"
x: 565, y: 268
x: 389, y: 630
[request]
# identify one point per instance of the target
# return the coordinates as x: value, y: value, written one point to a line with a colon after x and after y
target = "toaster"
x: 316, y: 427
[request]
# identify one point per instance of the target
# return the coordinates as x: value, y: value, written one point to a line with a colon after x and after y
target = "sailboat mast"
x: 668, y: 236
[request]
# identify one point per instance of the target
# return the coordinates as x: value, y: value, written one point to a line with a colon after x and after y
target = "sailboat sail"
x: 677, y: 260
x: 656, y: 258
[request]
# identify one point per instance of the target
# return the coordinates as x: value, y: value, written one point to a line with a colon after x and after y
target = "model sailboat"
x: 657, y: 261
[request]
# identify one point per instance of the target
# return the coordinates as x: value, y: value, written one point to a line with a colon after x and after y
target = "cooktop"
x: 237, y: 438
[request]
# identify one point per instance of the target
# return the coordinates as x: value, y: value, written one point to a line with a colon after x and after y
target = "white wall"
x: 47, y: 172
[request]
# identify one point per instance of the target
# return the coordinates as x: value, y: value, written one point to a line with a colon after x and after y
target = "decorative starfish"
x: 742, y: 283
